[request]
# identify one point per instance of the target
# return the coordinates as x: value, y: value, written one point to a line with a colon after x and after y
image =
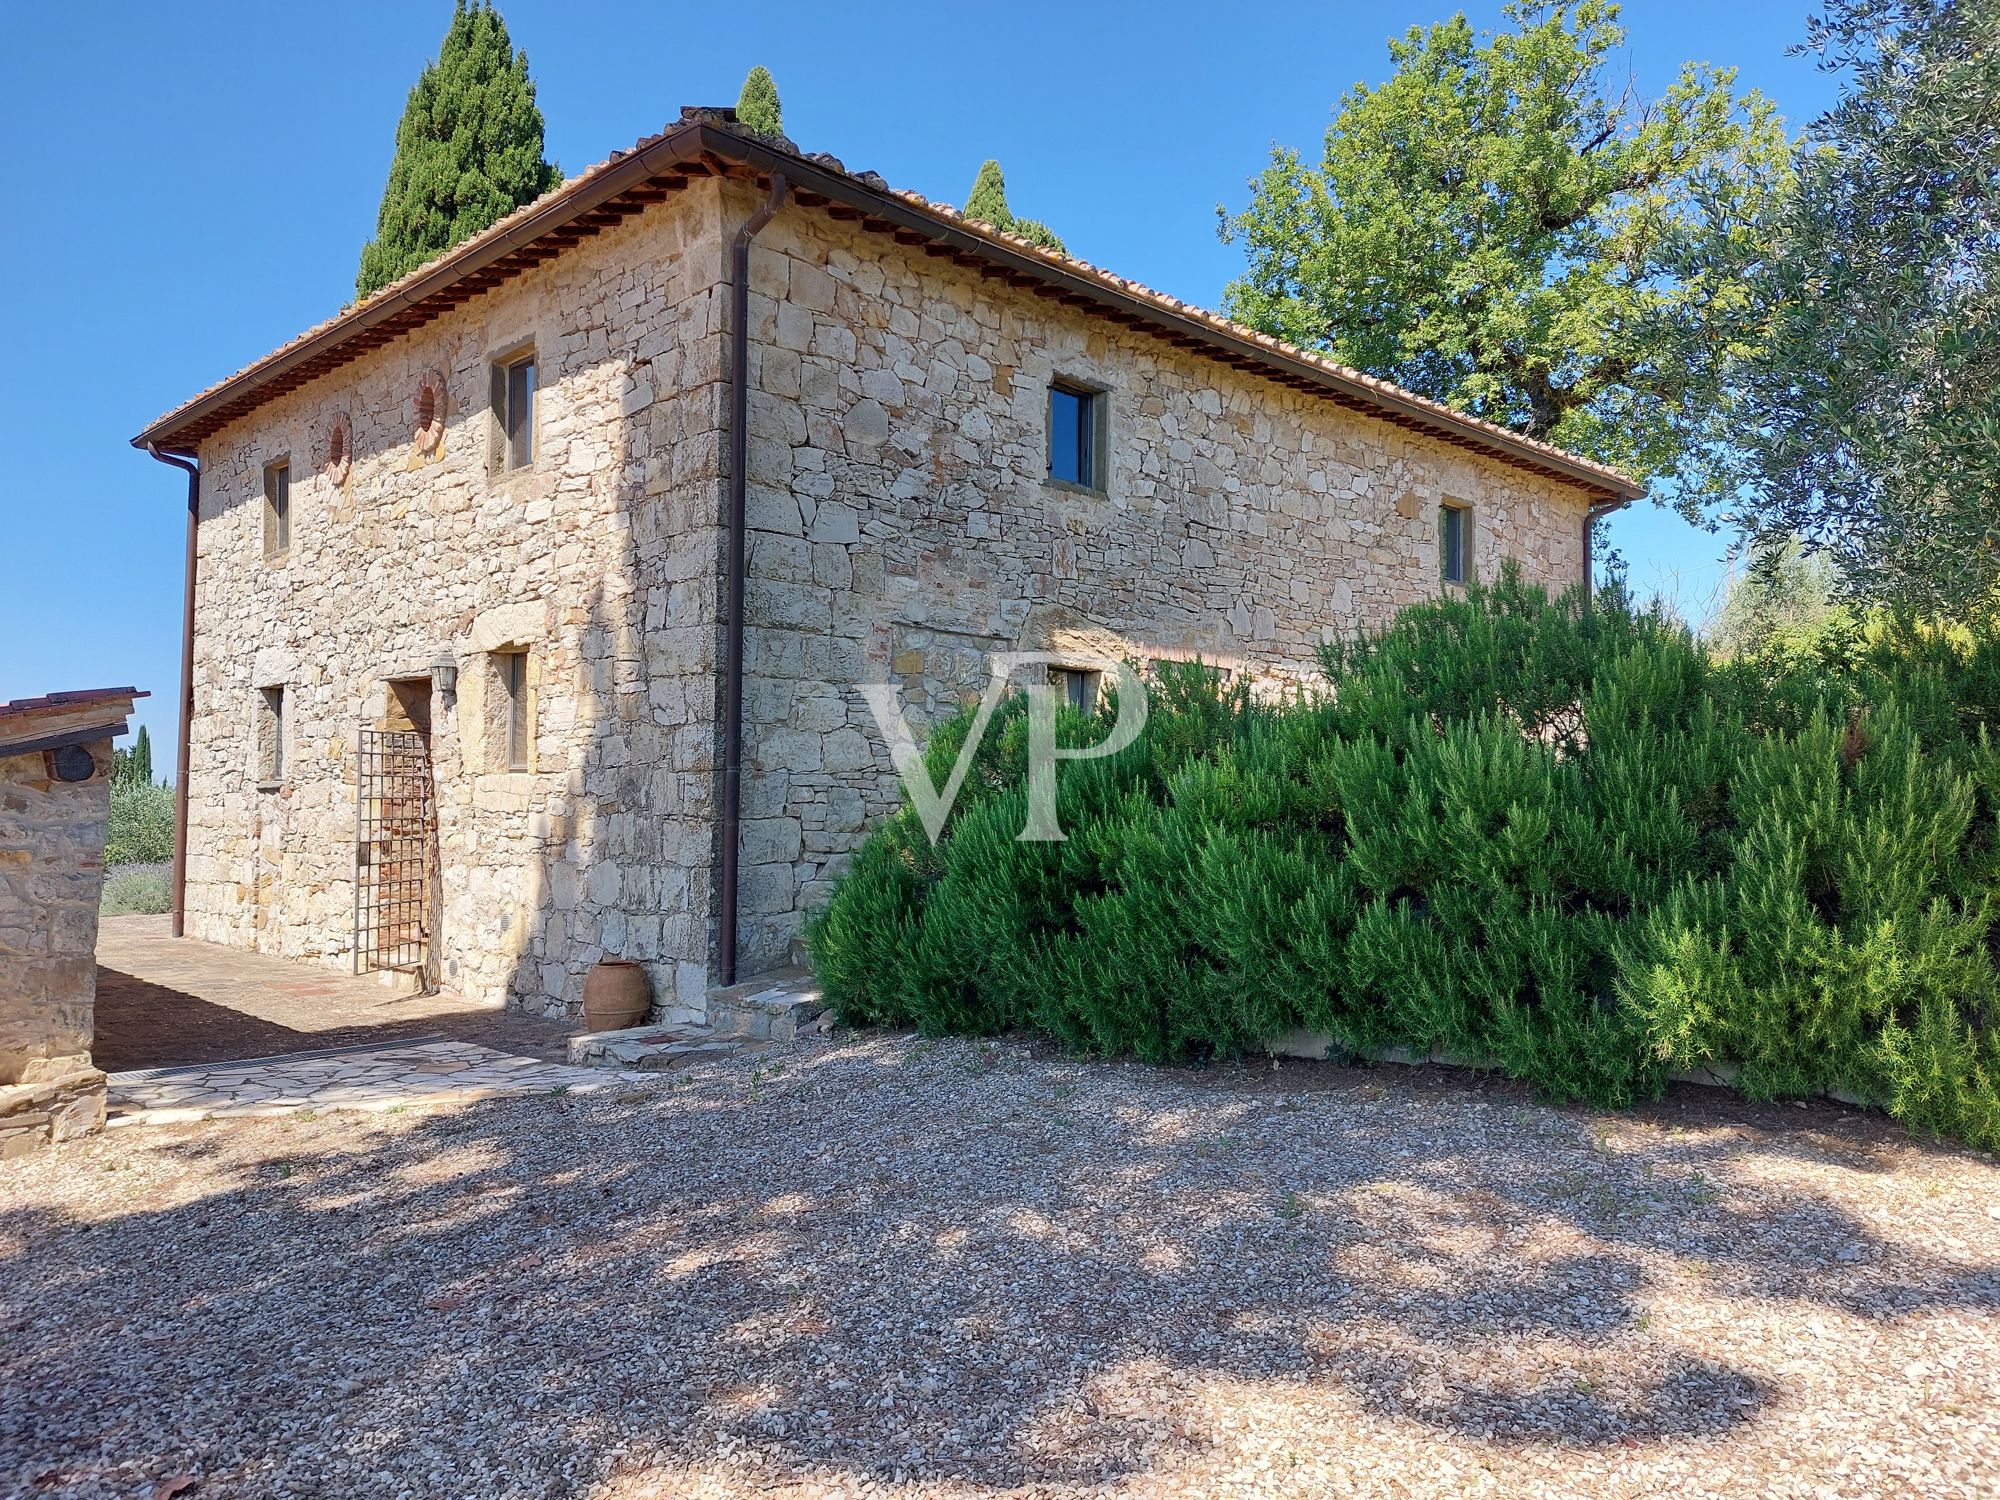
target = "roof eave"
x: 560, y: 209
x: 677, y: 150
x: 804, y: 173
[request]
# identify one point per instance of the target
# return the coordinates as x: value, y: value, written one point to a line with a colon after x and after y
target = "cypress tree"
x: 988, y: 199
x: 468, y: 149
x: 757, y: 106
x: 134, y: 767
x: 988, y: 203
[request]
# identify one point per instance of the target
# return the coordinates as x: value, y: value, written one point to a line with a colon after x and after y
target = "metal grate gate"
x: 395, y: 852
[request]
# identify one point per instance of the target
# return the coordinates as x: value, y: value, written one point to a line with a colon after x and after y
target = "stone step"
x: 777, y: 1007
x: 648, y: 1049
x: 781, y: 1006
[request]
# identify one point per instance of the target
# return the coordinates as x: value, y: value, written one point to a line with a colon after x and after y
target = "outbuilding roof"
x: 23, y: 707
x: 52, y: 720
x: 708, y: 143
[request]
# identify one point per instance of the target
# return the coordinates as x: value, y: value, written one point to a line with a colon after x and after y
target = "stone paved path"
x: 163, y: 1001
x: 424, y: 1073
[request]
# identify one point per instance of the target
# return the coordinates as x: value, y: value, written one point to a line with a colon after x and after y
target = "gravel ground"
x: 894, y: 1267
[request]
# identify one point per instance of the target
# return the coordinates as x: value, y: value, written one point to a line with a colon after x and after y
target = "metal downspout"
x: 732, y: 670
x: 179, y: 876
x: 1591, y: 516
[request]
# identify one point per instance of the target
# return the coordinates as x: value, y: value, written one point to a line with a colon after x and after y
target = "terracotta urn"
x: 616, y: 994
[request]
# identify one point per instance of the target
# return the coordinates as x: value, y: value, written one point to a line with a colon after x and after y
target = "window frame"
x: 278, y: 509
x: 516, y: 729
x: 1082, y: 688
x: 514, y: 446
x: 1458, y: 513
x: 1093, y: 434
x: 273, y: 716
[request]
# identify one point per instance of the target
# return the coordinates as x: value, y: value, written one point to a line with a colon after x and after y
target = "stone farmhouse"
x: 528, y: 598
x: 55, y: 804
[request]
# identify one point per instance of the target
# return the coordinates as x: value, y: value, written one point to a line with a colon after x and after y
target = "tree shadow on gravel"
x: 895, y: 1261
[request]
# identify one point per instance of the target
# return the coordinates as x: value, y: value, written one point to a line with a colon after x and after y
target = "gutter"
x: 728, y: 876
x: 178, y: 879
x: 681, y: 151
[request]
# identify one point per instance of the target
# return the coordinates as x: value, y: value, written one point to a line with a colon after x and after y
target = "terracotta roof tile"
x: 464, y: 250
x: 716, y: 137
x: 1276, y: 345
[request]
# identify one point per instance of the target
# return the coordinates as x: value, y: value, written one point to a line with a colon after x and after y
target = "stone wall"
x: 904, y: 525
x: 903, y: 529
x: 409, y: 547
x: 51, y: 875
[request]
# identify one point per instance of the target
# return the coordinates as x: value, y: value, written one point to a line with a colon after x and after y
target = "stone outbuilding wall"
x: 902, y: 528
x: 55, y: 769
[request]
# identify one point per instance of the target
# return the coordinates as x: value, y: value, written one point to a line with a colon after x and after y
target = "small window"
x: 428, y: 430
x: 1454, y: 542
x: 1075, y: 418
x: 514, y: 411
x: 1078, y: 686
x: 277, y: 509
x: 339, y: 452
x: 271, y: 730
x: 510, y: 720
x: 513, y: 675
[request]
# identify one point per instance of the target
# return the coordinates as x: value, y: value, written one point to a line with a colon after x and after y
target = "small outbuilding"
x: 55, y: 802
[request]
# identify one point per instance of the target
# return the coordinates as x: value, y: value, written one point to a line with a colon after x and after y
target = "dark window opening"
x: 277, y: 509
x: 1454, y: 542
x: 514, y: 406
x: 514, y: 687
x: 1078, y: 686
x: 1074, y: 415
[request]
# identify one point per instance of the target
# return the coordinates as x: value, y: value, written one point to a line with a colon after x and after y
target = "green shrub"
x: 141, y: 828
x: 1560, y: 841
x: 134, y: 890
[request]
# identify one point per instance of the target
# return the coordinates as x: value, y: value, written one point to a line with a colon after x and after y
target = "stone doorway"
x: 409, y: 707
x: 396, y: 874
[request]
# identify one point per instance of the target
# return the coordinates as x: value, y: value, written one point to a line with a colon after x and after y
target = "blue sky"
x: 190, y: 185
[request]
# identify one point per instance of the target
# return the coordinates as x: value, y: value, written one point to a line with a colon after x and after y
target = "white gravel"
x: 957, y: 1268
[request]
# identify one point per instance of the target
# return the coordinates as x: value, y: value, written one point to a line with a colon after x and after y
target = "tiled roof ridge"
x: 723, y: 120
